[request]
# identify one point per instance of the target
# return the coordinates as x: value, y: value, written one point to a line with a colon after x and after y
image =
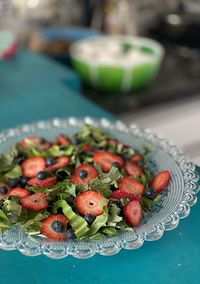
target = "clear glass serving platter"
x: 175, y: 203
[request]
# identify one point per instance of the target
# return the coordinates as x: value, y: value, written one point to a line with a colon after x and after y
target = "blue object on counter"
x: 68, y: 33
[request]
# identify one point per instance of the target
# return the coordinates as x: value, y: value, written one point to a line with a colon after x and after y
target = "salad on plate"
x: 85, y: 186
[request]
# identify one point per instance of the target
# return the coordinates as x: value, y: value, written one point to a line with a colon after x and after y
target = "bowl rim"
x: 32, y: 247
x: 73, y: 50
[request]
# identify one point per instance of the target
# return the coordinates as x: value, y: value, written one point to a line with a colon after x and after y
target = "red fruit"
x: 91, y: 202
x: 61, y: 162
x: 113, y: 142
x: 133, y: 213
x: 48, y: 227
x: 106, y: 159
x: 18, y: 191
x: 36, y: 201
x: 84, y: 174
x: 118, y: 194
x: 37, y: 141
x: 31, y: 166
x: 130, y: 185
x: 136, y: 159
x: 87, y: 148
x: 62, y: 140
x: 133, y: 169
x: 48, y: 182
x: 160, y: 181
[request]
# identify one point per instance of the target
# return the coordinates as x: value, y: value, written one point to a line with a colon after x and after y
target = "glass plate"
x: 175, y: 203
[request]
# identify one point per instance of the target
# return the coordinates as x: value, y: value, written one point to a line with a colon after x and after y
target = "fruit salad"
x: 84, y: 186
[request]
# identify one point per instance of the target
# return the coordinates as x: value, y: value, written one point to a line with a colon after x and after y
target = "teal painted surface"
x: 173, y: 259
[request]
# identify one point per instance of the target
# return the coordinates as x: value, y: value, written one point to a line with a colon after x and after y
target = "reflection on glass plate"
x: 175, y: 203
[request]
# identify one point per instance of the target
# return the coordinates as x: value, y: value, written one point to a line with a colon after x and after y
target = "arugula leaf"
x: 99, y: 222
x: 6, y: 160
x: 109, y: 231
x: 12, y: 206
x: 77, y: 222
x: 16, y: 172
x: 114, y: 217
x: 3, y: 216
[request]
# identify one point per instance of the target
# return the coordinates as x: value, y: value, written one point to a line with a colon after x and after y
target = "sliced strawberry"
x: 137, y: 158
x: 18, y: 191
x: 61, y: 162
x: 63, y: 140
x: 118, y: 194
x: 133, y: 169
x: 54, y: 227
x: 48, y: 182
x: 37, y: 141
x: 113, y: 142
x: 87, y: 148
x: 36, y: 201
x: 31, y: 166
x: 160, y: 181
x: 130, y: 185
x: 84, y: 174
x: 106, y: 160
x: 91, y: 202
x: 133, y: 213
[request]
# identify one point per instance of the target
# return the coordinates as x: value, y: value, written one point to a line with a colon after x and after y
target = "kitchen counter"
x: 173, y: 259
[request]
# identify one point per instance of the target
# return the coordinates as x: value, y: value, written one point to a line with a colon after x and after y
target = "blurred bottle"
x: 119, y: 17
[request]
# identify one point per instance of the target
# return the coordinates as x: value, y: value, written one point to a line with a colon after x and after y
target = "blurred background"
x: 138, y: 59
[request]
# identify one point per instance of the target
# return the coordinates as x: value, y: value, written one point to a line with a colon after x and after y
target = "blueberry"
x: 89, y: 218
x: 75, y: 141
x: 83, y: 174
x: 1, y: 204
x: 42, y: 140
x: 41, y: 175
x: 23, y: 181
x: 70, y: 234
x: 116, y: 165
x: 50, y: 161
x: 3, y: 190
x: 14, y: 182
x: 61, y: 175
x: 58, y: 227
x: 150, y: 193
x: 70, y: 200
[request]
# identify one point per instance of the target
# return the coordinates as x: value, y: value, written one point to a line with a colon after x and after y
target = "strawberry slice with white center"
x: 130, y: 185
x: 31, y: 166
x: 61, y: 162
x: 48, y: 182
x: 161, y: 181
x: 54, y: 227
x: 133, y: 213
x: 18, y: 191
x: 133, y: 169
x: 36, y: 201
x: 91, y: 202
x: 106, y: 160
x: 84, y: 174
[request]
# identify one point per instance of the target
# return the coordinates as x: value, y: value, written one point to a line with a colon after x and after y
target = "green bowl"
x: 117, y: 63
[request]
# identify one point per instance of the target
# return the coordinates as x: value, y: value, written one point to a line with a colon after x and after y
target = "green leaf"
x: 13, y: 207
x: 109, y: 231
x: 77, y: 222
x: 3, y: 226
x: 6, y: 160
x: 99, y: 222
x: 54, y: 151
x: 114, y: 215
x: 96, y: 236
x: 16, y: 172
x: 3, y: 216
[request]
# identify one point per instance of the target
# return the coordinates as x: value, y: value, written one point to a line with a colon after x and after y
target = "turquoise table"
x: 174, y: 259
